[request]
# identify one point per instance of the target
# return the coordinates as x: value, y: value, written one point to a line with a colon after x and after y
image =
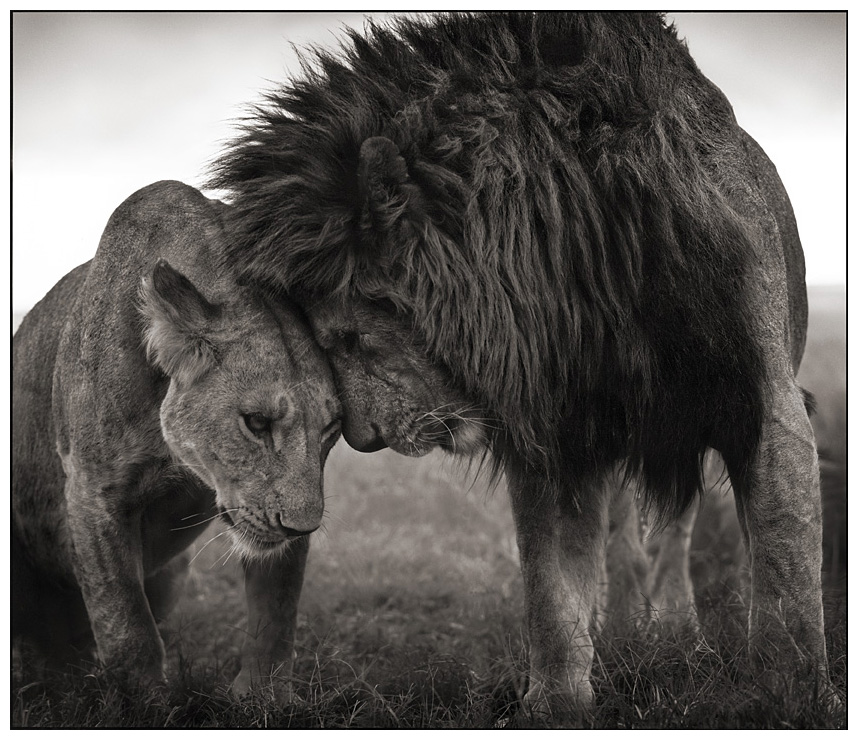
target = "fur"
x: 550, y: 214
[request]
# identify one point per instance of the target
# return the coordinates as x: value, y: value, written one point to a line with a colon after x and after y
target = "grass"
x: 411, y: 617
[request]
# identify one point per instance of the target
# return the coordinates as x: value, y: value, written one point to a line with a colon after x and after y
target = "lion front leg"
x: 622, y: 601
x: 272, y: 588
x: 109, y: 570
x: 562, y: 549
x: 780, y: 510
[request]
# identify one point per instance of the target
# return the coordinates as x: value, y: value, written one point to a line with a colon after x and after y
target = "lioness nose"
x: 293, y: 531
x: 289, y: 532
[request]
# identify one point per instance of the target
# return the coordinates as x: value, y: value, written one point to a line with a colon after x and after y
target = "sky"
x: 106, y: 103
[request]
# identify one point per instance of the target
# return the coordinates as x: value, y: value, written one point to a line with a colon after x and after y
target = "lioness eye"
x: 257, y: 423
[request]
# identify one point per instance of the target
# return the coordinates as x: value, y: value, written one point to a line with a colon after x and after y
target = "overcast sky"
x: 105, y: 103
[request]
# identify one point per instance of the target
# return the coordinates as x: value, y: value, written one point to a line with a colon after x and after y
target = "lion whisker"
x: 439, y: 413
x: 477, y: 421
x: 453, y: 403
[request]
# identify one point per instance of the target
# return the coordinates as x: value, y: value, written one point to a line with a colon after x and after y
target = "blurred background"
x: 105, y: 103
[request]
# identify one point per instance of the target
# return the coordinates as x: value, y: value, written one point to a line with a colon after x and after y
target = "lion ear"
x: 390, y: 200
x: 178, y: 324
x: 381, y: 169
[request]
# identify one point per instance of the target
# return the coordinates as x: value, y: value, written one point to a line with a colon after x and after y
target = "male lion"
x: 138, y: 416
x: 547, y: 232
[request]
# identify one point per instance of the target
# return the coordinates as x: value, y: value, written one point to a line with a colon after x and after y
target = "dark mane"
x: 558, y: 234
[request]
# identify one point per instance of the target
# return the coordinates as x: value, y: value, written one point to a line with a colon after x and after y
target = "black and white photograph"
x: 428, y: 371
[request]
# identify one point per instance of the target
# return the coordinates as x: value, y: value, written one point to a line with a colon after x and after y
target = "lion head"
x: 251, y: 407
x: 393, y: 395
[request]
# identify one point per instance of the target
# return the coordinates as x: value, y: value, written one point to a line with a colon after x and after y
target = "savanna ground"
x: 411, y: 615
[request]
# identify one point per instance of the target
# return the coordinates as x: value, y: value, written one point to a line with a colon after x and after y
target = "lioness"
x: 150, y: 394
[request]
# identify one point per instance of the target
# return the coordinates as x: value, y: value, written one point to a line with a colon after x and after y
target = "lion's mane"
x: 552, y: 218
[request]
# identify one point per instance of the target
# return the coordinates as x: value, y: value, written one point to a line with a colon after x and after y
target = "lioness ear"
x: 178, y: 323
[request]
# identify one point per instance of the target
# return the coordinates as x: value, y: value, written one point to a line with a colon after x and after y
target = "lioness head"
x: 251, y: 408
x: 393, y: 394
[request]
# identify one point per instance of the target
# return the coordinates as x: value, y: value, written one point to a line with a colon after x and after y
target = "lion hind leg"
x: 780, y: 510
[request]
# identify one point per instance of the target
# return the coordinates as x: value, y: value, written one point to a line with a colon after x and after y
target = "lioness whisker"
x: 221, y: 511
x: 323, y: 529
x: 334, y: 517
x: 208, y: 542
x: 457, y: 409
x: 232, y: 550
x: 238, y: 544
x: 220, y: 557
x: 202, y: 522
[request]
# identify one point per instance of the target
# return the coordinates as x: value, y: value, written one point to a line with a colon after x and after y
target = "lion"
x: 545, y: 235
x: 152, y: 394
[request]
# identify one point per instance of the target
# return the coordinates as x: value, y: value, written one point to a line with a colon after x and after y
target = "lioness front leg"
x: 562, y: 548
x: 109, y: 569
x: 272, y: 588
x: 780, y: 510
